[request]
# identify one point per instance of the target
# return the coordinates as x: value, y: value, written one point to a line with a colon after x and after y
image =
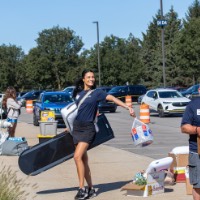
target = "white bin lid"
x: 181, y: 150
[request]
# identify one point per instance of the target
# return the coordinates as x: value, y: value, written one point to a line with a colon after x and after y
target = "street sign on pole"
x: 161, y: 22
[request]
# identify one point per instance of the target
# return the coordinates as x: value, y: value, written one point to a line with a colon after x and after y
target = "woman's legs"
x: 88, y: 176
x: 80, y: 161
x: 12, y: 130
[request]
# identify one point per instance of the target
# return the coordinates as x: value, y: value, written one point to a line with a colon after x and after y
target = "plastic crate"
x: 48, y: 128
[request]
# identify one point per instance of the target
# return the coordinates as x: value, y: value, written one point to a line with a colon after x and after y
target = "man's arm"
x: 189, y: 129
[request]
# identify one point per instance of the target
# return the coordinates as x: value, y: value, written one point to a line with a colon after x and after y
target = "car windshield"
x: 68, y: 90
x: 28, y: 94
x: 57, y: 98
x: 169, y: 94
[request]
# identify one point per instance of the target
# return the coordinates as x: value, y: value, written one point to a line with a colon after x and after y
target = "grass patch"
x: 11, y: 187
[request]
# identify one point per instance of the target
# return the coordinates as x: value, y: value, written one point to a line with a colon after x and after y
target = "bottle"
x: 17, y: 139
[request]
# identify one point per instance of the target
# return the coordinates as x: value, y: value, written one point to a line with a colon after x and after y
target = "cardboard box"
x: 178, y: 166
x: 155, y: 185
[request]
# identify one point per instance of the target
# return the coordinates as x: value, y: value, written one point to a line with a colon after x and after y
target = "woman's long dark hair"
x: 10, y: 93
x: 79, y: 84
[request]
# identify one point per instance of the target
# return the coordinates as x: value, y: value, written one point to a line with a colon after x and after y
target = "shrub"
x: 12, y: 188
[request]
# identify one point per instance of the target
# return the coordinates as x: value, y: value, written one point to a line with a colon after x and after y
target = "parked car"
x: 140, y: 99
x: 105, y: 88
x: 191, y: 92
x: 69, y: 90
x: 32, y: 95
x: 53, y: 101
x: 133, y: 90
x: 181, y: 89
x: 165, y: 101
x: 20, y: 94
x: 106, y: 106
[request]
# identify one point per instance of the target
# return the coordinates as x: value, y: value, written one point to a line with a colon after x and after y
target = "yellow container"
x: 47, y: 115
x: 44, y: 138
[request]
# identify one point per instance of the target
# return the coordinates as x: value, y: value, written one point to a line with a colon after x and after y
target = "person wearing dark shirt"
x: 84, y: 128
x: 191, y: 125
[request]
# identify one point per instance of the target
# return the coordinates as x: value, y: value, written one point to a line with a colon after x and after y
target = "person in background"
x: 191, y: 125
x: 84, y: 128
x: 13, y: 109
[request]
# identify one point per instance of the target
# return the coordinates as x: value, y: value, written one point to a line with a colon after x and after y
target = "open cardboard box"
x: 155, y: 185
x: 178, y: 166
x: 155, y: 176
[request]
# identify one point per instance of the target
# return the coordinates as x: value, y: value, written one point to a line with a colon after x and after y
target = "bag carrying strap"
x: 83, y: 99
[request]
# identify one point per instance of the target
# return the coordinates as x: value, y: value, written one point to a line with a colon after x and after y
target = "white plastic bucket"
x: 141, y: 133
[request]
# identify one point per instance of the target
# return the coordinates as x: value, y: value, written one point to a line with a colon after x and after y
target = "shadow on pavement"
x: 101, y: 188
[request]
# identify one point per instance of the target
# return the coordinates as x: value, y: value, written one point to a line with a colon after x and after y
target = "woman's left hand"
x: 132, y: 112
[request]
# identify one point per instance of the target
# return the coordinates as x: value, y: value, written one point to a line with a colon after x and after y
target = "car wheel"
x: 35, y: 120
x: 160, y: 111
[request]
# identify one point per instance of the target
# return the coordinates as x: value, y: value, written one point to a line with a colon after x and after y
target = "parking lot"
x: 111, y: 167
x: 166, y: 132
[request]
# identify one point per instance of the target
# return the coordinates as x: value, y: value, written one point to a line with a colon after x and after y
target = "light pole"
x: 98, y: 52
x: 163, y: 44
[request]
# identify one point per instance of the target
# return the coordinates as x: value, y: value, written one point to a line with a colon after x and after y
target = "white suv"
x: 165, y: 101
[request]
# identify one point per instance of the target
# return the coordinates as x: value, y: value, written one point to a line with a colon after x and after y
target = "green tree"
x: 172, y: 31
x: 132, y: 71
x: 52, y: 62
x: 12, y: 71
x: 187, y: 46
x: 152, y: 54
x: 188, y: 51
x: 152, y: 51
x: 120, y: 60
x: 193, y: 11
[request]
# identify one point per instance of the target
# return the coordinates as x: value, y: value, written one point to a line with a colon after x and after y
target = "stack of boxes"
x: 48, y: 126
x: 179, y: 166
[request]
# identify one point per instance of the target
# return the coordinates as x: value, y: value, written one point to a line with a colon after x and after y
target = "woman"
x: 84, y: 129
x: 13, y: 109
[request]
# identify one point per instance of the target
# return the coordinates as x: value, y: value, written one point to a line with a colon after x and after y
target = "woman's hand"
x: 131, y: 111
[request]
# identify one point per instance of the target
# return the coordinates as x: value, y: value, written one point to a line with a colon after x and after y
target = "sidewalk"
x: 111, y: 169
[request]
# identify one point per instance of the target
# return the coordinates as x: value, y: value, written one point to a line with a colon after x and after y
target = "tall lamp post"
x: 98, y: 52
x: 163, y: 42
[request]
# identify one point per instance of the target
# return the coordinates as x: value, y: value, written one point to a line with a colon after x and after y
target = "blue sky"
x: 22, y: 20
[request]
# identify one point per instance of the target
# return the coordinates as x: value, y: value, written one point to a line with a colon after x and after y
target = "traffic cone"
x: 29, y: 106
x: 128, y: 101
x: 144, y: 113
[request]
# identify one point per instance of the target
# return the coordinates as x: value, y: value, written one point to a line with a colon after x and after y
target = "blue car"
x: 191, y: 92
x: 53, y: 101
